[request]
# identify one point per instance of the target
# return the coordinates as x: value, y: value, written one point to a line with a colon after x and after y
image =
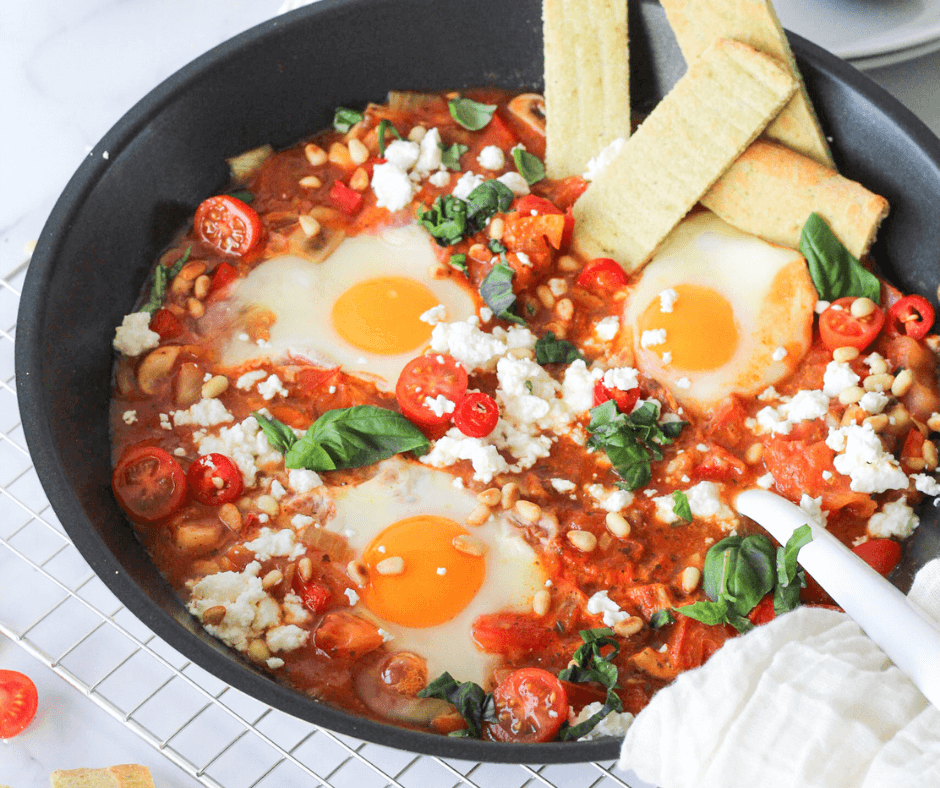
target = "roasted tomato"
x: 231, y: 226
x: 148, y: 483
x: 839, y: 327
x: 531, y: 705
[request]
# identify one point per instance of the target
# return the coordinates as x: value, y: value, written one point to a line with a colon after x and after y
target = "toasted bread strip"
x: 754, y: 22
x: 587, y: 81
x: 770, y: 191
x: 130, y: 775
x: 703, y: 124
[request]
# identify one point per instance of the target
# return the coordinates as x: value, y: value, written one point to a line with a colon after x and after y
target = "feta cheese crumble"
x: 134, y: 336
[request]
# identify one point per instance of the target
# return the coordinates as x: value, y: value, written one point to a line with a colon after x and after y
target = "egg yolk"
x: 701, y: 333
x: 438, y: 581
x: 382, y: 315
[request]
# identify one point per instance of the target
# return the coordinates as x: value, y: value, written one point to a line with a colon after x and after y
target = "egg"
x: 719, y: 311
x: 413, y: 513
x: 360, y: 308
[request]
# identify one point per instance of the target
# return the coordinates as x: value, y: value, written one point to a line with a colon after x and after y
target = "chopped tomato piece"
x: 510, y: 634
x: 913, y: 445
x: 529, y: 234
x: 476, y: 415
x: 533, y: 204
x: 346, y: 636
x: 726, y: 425
x: 882, y: 555
x: 719, y: 465
x: 349, y: 201
x: 18, y: 703
x: 912, y: 315
x: 223, y: 276
x: 148, y: 483
x: 531, y: 705
x: 166, y: 324
x: 602, y: 275
x: 214, y: 479
x: 763, y: 611
x: 626, y: 400
x: 230, y: 225
x: 431, y: 376
x: 692, y: 643
x: 838, y: 327
x: 311, y: 379
x: 315, y: 596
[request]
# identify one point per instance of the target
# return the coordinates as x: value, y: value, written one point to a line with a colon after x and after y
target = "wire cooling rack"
x: 55, y: 607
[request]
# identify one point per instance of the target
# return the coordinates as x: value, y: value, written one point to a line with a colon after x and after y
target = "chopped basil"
x: 162, y: 276
x: 384, y: 127
x: 528, y: 165
x: 495, y: 246
x: 474, y: 704
x: 244, y: 195
x: 459, y: 261
x: 834, y: 270
x: 496, y: 291
x: 549, y: 350
x: 486, y: 200
x: 680, y: 505
x: 345, y: 438
x: 345, y: 118
x: 470, y: 114
x: 446, y: 219
x: 593, y: 662
x: 450, y: 157
x: 632, y: 441
x: 739, y: 572
x: 660, y: 618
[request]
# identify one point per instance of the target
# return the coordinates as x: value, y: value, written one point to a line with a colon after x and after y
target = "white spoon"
x: 906, y: 635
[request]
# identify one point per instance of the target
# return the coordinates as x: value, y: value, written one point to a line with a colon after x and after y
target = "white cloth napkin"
x: 804, y: 701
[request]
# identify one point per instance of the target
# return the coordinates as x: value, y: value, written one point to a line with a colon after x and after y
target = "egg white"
x: 768, y: 288
x: 513, y: 572
x: 301, y: 294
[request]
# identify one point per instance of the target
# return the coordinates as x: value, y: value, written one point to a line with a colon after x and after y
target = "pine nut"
x: 558, y: 286
x: 497, y: 226
x: 902, y: 383
x: 490, y: 497
x: 214, y: 615
x: 879, y: 382
x: 339, y: 155
x: 465, y: 543
x: 522, y: 352
x: 310, y: 182
x: 268, y: 504
x: 305, y: 568
x: 309, y: 225
x: 557, y: 329
x: 201, y: 286
x: 584, y: 541
x: 545, y: 296
x: 541, y: 602
x: 214, y: 386
x: 565, y: 309
x: 877, y: 422
x: 510, y: 493
x: 230, y: 516
x: 933, y: 423
x: 852, y: 415
x: 479, y: 252
x: 878, y: 366
x: 628, y: 627
x: 617, y: 524
x: 479, y: 515
x: 192, y: 270
x: 899, y: 418
x: 929, y: 451
x: 258, y: 650
x: 915, y: 463
x: 358, y: 152
x: 358, y: 572
x: 394, y: 565
x: 417, y: 134
x: 568, y: 263
x: 844, y: 354
x: 195, y: 308
x: 689, y: 579
x: 527, y: 511
x: 271, y: 579
x: 862, y: 307
x: 359, y: 180
x: 851, y: 394
x: 315, y: 155
x: 754, y: 453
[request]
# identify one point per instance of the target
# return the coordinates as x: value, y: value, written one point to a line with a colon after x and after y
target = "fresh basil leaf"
x: 458, y: 261
x: 718, y: 565
x: 593, y: 662
x: 833, y: 269
x: 445, y: 220
x: 353, y: 437
x: 496, y: 291
x: 575, y: 732
x: 385, y: 126
x: 345, y: 118
x: 549, y: 350
x: 760, y: 555
x: 790, y: 577
x: 487, y: 199
x: 244, y: 195
x: 470, y: 114
x: 529, y: 166
x: 162, y: 276
x: 495, y: 246
x: 680, y: 505
x: 450, y: 156
x: 474, y: 704
x: 661, y: 618
x: 708, y: 612
x: 279, y: 435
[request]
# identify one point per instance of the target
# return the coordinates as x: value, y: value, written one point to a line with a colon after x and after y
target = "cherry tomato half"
x: 429, y: 376
x: 148, y: 483
x: 626, y: 400
x: 912, y: 315
x: 166, y: 324
x: 531, y: 705
x: 18, y: 702
x: 214, y: 480
x: 231, y: 226
x: 882, y: 555
x: 476, y: 415
x: 602, y: 275
x: 838, y: 327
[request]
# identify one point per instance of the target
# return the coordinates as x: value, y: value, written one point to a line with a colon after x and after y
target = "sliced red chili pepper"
x: 214, y: 480
x: 912, y: 315
x: 476, y: 415
x: 349, y: 201
x: 315, y: 596
x: 166, y: 324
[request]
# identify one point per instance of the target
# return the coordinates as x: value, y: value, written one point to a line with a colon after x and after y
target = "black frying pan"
x: 277, y: 83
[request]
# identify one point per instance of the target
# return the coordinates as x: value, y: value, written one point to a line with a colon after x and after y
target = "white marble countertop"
x: 70, y: 70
